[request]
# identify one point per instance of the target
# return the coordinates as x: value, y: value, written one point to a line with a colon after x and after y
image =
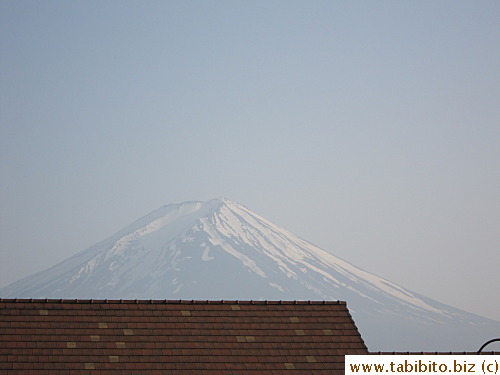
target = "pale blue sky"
x: 370, y: 128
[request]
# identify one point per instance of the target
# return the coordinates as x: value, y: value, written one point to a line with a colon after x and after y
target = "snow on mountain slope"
x: 222, y: 250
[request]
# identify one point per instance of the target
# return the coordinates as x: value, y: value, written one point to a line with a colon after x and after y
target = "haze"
x: 368, y: 128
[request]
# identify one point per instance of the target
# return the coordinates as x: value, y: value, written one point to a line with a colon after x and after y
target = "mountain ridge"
x: 220, y: 249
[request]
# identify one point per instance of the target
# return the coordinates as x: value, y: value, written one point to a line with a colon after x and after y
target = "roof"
x: 436, y: 353
x: 181, y: 337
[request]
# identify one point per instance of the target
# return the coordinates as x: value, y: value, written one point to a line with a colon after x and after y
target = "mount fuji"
x: 222, y: 250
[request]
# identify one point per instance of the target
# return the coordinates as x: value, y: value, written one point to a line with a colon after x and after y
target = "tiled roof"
x: 435, y: 353
x: 175, y: 337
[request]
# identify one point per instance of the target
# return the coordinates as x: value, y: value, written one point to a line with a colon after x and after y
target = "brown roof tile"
x: 180, y: 337
x: 435, y: 353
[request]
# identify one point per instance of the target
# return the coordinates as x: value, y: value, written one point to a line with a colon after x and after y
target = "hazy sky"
x: 370, y: 128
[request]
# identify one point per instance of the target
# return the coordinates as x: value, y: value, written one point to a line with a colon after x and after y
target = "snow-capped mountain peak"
x: 220, y: 249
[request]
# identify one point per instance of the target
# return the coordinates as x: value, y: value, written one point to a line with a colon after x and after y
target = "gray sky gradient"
x: 369, y: 128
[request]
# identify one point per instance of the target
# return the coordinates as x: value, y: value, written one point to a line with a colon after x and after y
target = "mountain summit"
x: 221, y: 250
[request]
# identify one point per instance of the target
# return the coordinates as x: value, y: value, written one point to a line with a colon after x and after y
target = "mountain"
x: 221, y: 250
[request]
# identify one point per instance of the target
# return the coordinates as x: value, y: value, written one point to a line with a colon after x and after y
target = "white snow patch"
x: 179, y: 287
x: 277, y: 286
x: 205, y: 256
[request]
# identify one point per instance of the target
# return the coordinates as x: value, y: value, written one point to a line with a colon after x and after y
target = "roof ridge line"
x: 166, y: 301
